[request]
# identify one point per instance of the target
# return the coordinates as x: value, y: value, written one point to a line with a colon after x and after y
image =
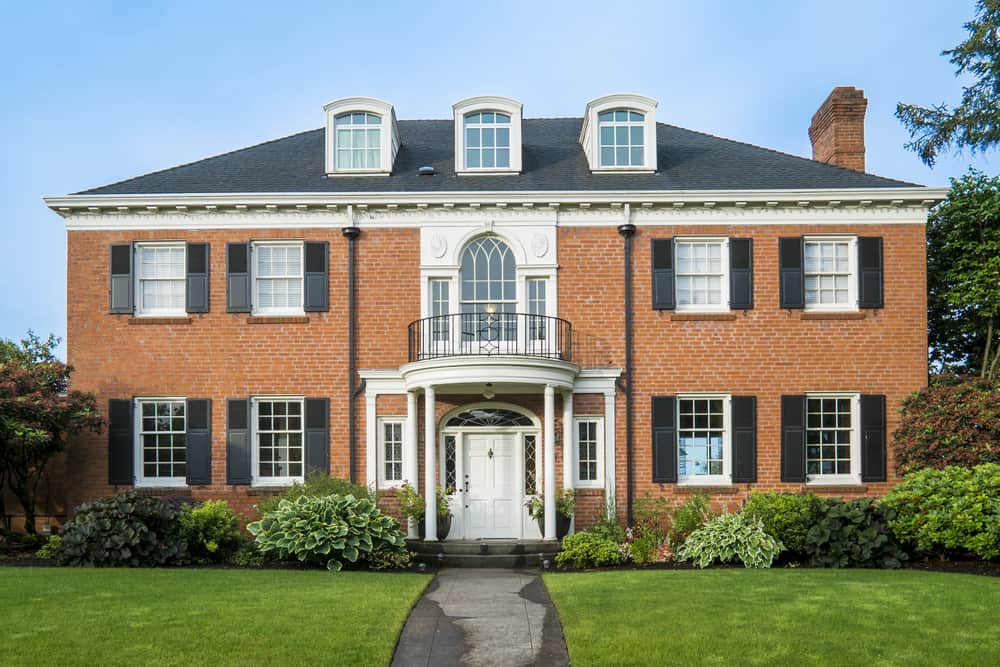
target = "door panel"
x: 492, y: 500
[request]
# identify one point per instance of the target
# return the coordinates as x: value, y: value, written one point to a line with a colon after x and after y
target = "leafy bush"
x: 317, y: 484
x: 955, y: 510
x: 211, y: 531
x: 128, y: 529
x: 50, y: 548
x: 329, y: 529
x: 689, y: 516
x: 728, y: 538
x: 954, y: 421
x: 248, y: 554
x: 565, y: 504
x: 411, y: 503
x: 645, y: 546
x: 786, y: 516
x: 652, y: 515
x: 853, y: 534
x: 587, y: 549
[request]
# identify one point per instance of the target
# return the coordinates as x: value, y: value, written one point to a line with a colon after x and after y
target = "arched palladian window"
x: 489, y: 417
x: 488, y: 277
x: 622, y: 138
x: 358, y: 140
x: 487, y: 140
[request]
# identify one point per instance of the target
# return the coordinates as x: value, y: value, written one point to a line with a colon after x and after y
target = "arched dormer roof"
x: 624, y: 126
x: 488, y: 135
x: 362, y: 137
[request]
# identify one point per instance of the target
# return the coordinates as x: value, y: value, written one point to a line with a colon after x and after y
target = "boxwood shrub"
x: 211, y: 531
x: 588, y: 549
x: 787, y: 517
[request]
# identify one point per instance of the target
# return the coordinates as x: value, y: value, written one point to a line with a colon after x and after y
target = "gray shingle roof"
x: 553, y: 160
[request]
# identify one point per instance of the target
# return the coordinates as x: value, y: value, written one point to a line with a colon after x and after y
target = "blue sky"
x: 94, y: 92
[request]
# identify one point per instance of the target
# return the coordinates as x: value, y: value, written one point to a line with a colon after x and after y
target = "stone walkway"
x: 482, y: 618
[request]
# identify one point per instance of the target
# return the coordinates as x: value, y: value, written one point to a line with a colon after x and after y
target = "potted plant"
x: 412, y: 506
x: 565, y: 504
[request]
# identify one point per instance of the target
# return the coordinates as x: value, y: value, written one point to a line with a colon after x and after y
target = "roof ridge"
x: 784, y: 154
x: 196, y: 161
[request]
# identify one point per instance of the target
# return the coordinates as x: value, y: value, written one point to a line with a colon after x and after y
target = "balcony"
x: 490, y: 334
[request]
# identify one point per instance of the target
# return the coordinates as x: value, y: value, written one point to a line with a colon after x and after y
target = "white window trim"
x: 141, y: 481
x: 380, y: 423
x: 723, y: 305
x: 255, y: 299
x: 482, y: 103
x: 726, y: 478
x: 140, y: 311
x: 255, y: 478
x: 588, y: 483
x: 852, y: 279
x: 854, y: 479
x: 389, y: 136
x: 590, y: 132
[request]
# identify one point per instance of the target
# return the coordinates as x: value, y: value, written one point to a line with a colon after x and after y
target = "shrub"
x: 786, y: 516
x: 955, y: 510
x: 652, y: 515
x: 329, y: 529
x: 954, y: 421
x: 247, y: 555
x: 128, y: 529
x: 565, y: 504
x: 586, y: 549
x: 645, y: 546
x: 728, y: 538
x: 853, y: 534
x: 317, y: 484
x: 689, y: 516
x: 411, y: 503
x: 50, y: 548
x: 211, y: 531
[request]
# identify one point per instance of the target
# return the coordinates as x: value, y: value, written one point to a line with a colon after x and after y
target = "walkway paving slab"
x: 483, y: 618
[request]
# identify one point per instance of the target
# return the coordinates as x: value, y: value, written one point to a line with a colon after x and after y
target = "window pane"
x: 472, y: 158
x: 607, y: 157
x: 503, y: 137
x: 487, y: 136
x: 636, y: 156
x: 502, y: 118
x: 472, y: 119
x: 607, y: 116
x: 607, y: 136
x: 472, y: 137
x: 488, y: 157
x: 503, y: 157
x: 635, y: 135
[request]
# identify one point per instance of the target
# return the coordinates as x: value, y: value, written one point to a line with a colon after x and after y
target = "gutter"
x: 627, y: 230
x: 351, y: 234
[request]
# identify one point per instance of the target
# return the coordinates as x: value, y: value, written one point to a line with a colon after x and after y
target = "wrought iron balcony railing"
x: 490, y: 334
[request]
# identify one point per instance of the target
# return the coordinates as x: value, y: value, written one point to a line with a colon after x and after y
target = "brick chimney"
x: 837, y: 131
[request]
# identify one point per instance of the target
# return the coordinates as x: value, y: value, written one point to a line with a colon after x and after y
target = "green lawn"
x: 70, y: 616
x: 778, y: 617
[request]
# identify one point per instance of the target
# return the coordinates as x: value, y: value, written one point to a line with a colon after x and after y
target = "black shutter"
x: 317, y: 282
x: 741, y: 274
x: 744, y: 438
x: 662, y: 251
x: 664, y: 439
x: 870, y: 277
x: 196, y: 294
x: 237, y: 441
x: 792, y: 281
x: 873, y: 466
x: 238, y: 277
x: 121, y: 286
x: 317, y: 448
x: 793, y: 438
x: 121, y: 446
x: 199, y: 441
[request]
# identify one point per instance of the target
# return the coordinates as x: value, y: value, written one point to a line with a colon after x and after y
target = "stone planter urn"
x: 443, y: 527
x: 562, y: 525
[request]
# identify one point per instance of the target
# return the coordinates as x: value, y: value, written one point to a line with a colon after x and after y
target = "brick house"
x: 504, y: 306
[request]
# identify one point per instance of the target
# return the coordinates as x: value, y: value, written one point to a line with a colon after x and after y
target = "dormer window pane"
x: 358, y: 142
x: 486, y: 145
x: 622, y: 137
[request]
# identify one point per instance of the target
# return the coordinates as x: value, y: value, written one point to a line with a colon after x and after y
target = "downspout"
x: 627, y: 230
x: 351, y: 234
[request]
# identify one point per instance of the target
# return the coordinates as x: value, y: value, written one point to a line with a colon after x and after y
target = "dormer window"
x: 487, y: 135
x: 619, y: 133
x: 621, y: 137
x: 361, y: 137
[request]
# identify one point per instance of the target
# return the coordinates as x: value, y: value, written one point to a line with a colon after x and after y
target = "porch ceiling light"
x: 491, y: 308
x: 488, y: 394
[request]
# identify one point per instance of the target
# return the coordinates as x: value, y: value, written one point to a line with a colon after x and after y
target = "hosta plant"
x: 331, y: 530
x: 728, y: 538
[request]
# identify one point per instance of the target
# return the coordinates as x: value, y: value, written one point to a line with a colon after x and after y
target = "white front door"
x: 492, y: 500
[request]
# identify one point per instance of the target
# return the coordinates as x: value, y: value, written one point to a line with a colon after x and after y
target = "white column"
x: 609, y: 447
x: 550, y: 463
x: 412, y: 452
x: 430, y: 470
x: 568, y: 452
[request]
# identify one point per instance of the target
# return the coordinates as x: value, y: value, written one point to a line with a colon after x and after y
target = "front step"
x: 507, y: 554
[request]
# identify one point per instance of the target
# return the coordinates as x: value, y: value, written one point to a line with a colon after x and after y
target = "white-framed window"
x: 704, y: 439
x: 160, y: 279
x: 358, y: 141
x: 278, y: 452
x: 622, y: 138
x: 833, y: 438
x: 390, y: 447
x: 536, y: 288
x: 588, y: 435
x: 702, y: 274
x: 277, y: 277
x: 161, y: 442
x: 487, y: 140
x: 830, y: 273
x: 440, y: 297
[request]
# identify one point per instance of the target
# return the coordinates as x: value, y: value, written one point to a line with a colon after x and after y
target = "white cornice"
x: 309, y: 201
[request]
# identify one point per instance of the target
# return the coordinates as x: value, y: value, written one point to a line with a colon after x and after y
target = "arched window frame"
x: 590, y: 135
x: 488, y: 104
x: 388, y: 135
